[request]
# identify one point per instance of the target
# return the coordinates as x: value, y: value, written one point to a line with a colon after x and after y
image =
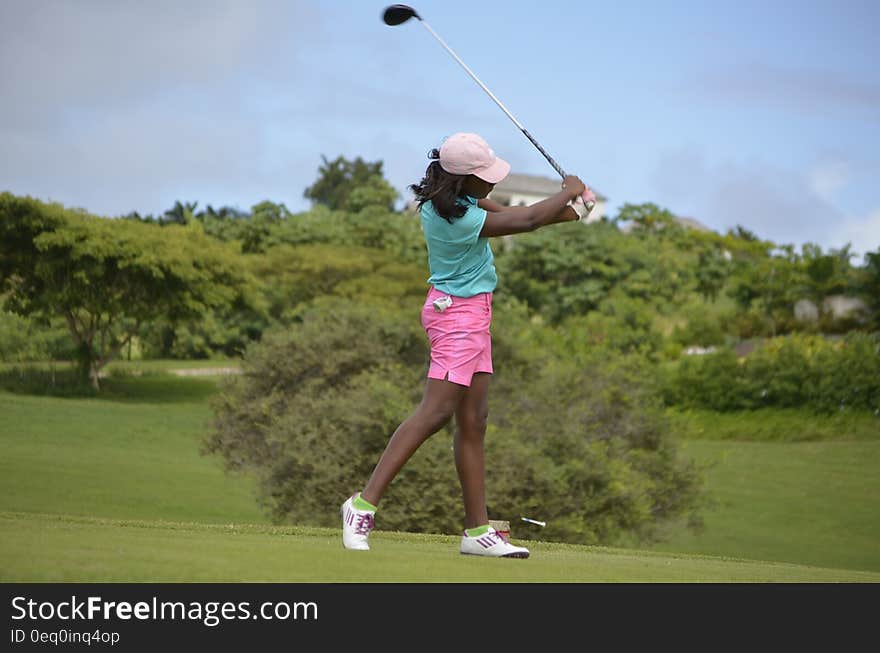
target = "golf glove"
x: 579, y: 203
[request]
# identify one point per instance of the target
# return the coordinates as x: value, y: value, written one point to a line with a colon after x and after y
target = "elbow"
x: 531, y: 222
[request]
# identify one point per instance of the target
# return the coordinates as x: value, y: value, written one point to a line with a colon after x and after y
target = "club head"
x: 398, y: 14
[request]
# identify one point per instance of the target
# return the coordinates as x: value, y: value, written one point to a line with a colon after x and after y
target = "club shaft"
x: 516, y: 122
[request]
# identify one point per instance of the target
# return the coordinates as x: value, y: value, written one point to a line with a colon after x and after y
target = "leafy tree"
x: 338, y: 179
x: 565, y: 271
x: 26, y: 339
x: 180, y: 213
x: 868, y: 284
x: 293, y: 276
x: 712, y: 271
x: 106, y: 278
x: 225, y: 223
x: 571, y: 269
x: 648, y: 216
x: 257, y: 231
x: 742, y: 233
x: 375, y: 192
x: 772, y: 284
x: 701, y: 328
x: 825, y: 274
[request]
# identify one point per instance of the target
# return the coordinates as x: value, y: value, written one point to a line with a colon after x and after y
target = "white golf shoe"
x: 491, y: 544
x: 356, y: 526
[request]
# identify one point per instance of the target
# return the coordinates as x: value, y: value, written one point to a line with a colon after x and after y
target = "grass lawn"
x: 134, y: 366
x: 114, y: 488
x: 786, y: 485
x: 129, y: 458
x: 808, y: 502
x: 72, y: 549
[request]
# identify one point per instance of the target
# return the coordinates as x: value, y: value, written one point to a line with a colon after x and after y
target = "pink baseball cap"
x: 469, y: 154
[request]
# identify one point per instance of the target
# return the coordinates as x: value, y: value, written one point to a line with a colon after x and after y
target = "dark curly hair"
x: 441, y: 188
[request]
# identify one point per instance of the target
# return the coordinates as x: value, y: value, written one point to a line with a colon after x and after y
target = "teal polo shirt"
x: 461, y: 263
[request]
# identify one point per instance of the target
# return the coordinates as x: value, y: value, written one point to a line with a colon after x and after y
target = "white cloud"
x: 863, y: 233
x: 57, y: 55
x: 776, y: 203
x: 126, y: 105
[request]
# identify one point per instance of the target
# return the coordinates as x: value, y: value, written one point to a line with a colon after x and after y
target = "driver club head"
x: 398, y: 14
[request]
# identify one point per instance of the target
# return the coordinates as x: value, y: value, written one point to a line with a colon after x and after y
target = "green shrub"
x: 577, y: 441
x: 25, y: 339
x: 701, y: 329
x: 795, y: 371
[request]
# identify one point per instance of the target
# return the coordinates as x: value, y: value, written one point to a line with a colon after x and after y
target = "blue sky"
x: 759, y: 113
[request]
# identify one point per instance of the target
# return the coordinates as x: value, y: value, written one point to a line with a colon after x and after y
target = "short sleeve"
x: 476, y: 219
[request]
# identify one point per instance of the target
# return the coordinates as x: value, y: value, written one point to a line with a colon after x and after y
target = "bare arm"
x: 567, y: 214
x: 491, y: 205
x: 505, y: 220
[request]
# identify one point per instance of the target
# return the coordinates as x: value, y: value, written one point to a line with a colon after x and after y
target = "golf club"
x: 399, y: 14
x: 534, y: 521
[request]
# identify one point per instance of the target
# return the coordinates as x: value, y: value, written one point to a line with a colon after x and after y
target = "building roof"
x: 533, y: 185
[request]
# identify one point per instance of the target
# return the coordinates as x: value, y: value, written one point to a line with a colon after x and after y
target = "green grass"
x: 114, y: 488
x: 145, y: 366
x: 68, y: 549
x: 60, y: 379
x: 775, y: 425
x: 119, y: 457
x: 807, y: 502
x: 164, y: 365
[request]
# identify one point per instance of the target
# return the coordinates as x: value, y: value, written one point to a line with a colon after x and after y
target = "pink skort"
x: 461, y: 344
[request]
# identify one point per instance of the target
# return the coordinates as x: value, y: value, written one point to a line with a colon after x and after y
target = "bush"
x: 24, y: 339
x: 701, y: 328
x: 795, y: 371
x: 580, y: 443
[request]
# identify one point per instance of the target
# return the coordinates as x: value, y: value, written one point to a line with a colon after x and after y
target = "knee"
x: 436, y: 417
x: 473, y: 423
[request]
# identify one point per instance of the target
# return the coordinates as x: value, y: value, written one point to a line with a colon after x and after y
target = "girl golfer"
x: 457, y: 221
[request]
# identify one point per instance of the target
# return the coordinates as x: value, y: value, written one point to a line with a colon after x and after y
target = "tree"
x: 375, y: 192
x: 338, y: 179
x: 711, y: 273
x: 256, y: 231
x: 108, y: 277
x: 826, y: 274
x: 567, y: 270
x: 180, y: 213
x: 225, y: 223
x: 868, y: 284
x: 770, y: 283
x: 647, y: 216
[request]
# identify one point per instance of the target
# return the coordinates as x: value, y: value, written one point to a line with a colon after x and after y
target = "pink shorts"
x: 461, y: 344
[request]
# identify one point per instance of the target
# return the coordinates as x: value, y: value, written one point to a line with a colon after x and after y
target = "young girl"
x: 457, y: 221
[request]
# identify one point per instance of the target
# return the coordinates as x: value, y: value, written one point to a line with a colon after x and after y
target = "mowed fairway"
x: 115, y: 489
x: 53, y: 548
x: 129, y: 458
x: 815, y: 503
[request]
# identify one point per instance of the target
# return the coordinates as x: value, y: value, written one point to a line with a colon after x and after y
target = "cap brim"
x: 495, y: 172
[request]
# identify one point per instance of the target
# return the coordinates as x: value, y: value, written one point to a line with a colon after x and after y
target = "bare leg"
x: 438, y: 404
x: 471, y: 416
